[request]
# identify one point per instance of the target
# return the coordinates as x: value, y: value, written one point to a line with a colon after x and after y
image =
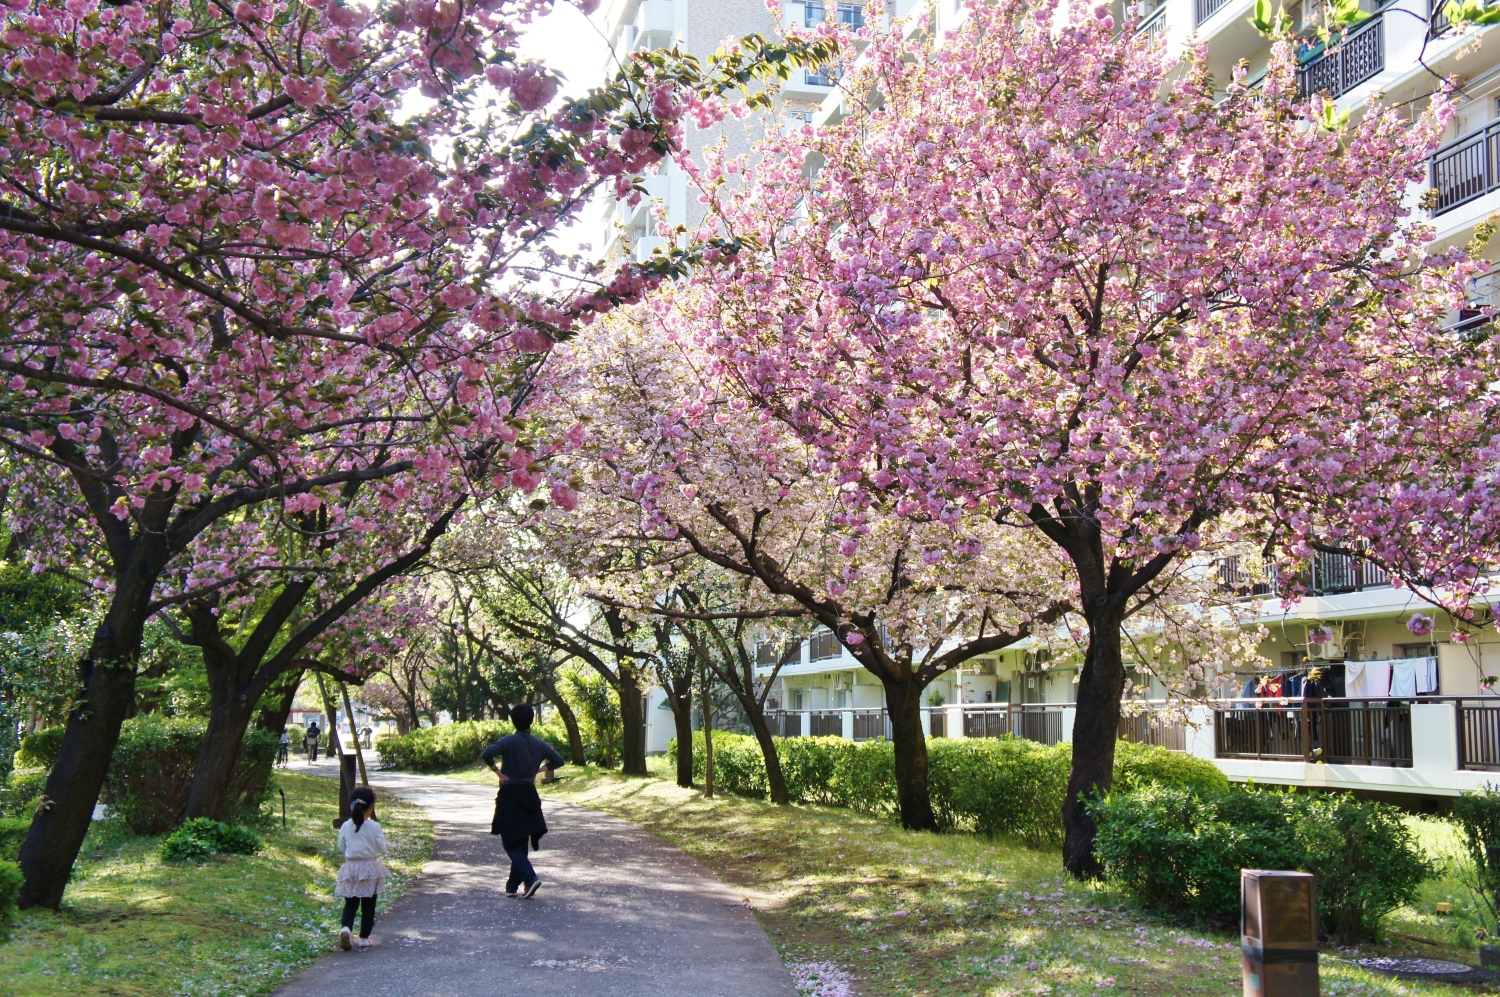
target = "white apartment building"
x: 1406, y: 714
x: 699, y: 27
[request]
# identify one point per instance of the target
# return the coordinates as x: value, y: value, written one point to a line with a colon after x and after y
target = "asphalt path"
x: 620, y: 912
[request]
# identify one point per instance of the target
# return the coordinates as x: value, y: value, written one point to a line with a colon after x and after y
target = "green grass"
x: 240, y: 925
x: 905, y: 913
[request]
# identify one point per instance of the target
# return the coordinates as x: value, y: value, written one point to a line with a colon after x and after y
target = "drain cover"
x: 1415, y: 967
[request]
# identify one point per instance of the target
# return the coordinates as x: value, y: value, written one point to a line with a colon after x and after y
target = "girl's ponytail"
x: 361, y: 805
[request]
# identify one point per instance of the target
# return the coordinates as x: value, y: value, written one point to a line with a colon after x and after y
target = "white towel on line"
x: 1403, y: 678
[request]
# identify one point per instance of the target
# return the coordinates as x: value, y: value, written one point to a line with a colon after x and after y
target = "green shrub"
x: 10, y: 893
x: 991, y: 785
x: 1181, y: 851
x: 21, y: 793
x: 999, y: 786
x: 1478, y: 817
x: 198, y: 839
x: 457, y: 745
x: 152, y: 770
x: 39, y: 749
x: 12, y: 833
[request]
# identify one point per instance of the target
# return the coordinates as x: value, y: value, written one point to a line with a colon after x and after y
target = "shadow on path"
x: 619, y: 912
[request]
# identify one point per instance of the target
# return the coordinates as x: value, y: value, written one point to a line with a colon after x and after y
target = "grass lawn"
x: 856, y: 905
x: 238, y: 925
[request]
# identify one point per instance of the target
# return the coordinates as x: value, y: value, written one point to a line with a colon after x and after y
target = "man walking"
x: 518, y: 808
x: 310, y: 742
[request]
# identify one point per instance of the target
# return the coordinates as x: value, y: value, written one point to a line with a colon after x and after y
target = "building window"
x: 852, y: 15
x: 824, y: 645
x: 767, y: 653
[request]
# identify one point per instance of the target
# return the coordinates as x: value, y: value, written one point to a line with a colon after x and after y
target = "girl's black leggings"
x: 366, y: 908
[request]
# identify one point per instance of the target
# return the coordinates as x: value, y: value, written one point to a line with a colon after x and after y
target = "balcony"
x: 1154, y: 25
x: 1359, y: 57
x: 1039, y: 723
x: 1334, y: 732
x: 1204, y: 9
x: 1325, y: 574
x: 1466, y: 168
x: 655, y: 24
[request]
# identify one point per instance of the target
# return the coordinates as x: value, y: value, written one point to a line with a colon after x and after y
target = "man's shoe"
x: 530, y: 890
x: 513, y: 892
x: 346, y: 940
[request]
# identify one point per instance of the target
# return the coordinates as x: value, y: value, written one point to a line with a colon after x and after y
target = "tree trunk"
x: 708, y: 737
x: 275, y: 707
x: 88, y: 744
x: 208, y: 794
x: 775, y: 780
x: 909, y: 745
x: 569, y: 719
x: 632, y: 721
x: 1096, y: 728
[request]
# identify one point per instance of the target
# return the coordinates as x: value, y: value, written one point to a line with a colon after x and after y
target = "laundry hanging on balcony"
x: 1367, y: 679
x: 1404, y: 678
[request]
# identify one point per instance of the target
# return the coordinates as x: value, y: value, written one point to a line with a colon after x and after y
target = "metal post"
x: 1278, y: 933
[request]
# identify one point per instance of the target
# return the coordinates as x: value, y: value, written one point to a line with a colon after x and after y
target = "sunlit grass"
x: 133, y: 925
x: 924, y: 914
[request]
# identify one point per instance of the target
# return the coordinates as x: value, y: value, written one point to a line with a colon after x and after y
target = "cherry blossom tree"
x: 668, y: 459
x: 257, y: 252
x: 1055, y: 280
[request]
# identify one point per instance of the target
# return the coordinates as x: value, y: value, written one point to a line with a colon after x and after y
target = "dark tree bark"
x: 1096, y: 727
x: 904, y: 706
x: 682, y: 721
x: 548, y: 688
x: 275, y: 707
x: 93, y: 729
x: 632, y: 720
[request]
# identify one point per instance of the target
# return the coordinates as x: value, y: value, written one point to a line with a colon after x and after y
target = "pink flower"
x: 1420, y: 625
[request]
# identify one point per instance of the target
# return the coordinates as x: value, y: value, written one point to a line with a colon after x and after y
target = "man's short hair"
x: 522, y: 715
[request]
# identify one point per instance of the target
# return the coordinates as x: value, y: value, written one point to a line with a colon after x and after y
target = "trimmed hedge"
x: 12, y: 833
x: 10, y: 893
x: 152, y: 769
x: 1181, y: 852
x: 39, y: 749
x: 21, y: 793
x: 456, y: 745
x: 991, y: 785
x: 201, y: 838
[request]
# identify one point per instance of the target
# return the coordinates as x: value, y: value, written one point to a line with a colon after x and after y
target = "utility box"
x: 1279, y: 933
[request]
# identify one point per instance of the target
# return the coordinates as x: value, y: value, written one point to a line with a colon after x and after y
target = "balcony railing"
x: 1154, y: 728
x: 1325, y: 574
x: 1204, y: 9
x: 1039, y: 723
x: 1153, y: 25
x: 870, y: 724
x: 1478, y: 734
x: 1335, y: 731
x: 1357, y: 58
x: 1466, y: 168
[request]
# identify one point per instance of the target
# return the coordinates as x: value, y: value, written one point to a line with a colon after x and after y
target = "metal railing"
x: 1359, y: 56
x: 1204, y: 9
x: 1478, y: 734
x: 1040, y: 723
x: 870, y: 724
x: 1325, y: 574
x: 1154, y: 728
x: 784, y: 723
x: 1153, y: 25
x: 1335, y: 731
x: 825, y: 723
x: 1465, y: 168
x: 937, y: 723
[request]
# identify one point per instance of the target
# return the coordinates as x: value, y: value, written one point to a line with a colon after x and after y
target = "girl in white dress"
x: 363, y: 875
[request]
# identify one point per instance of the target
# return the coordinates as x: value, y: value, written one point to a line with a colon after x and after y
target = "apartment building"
x: 1406, y: 712
x: 699, y: 27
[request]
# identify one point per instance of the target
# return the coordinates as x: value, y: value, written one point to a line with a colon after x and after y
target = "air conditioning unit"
x: 1328, y: 650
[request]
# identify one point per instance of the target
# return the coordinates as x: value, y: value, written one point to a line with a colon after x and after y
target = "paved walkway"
x: 620, y: 913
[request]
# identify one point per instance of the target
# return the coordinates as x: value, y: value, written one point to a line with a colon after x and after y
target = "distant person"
x: 363, y: 875
x: 310, y: 741
x: 284, y: 748
x: 365, y: 734
x: 518, y: 808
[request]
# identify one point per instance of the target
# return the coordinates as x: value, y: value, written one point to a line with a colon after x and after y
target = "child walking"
x: 363, y: 875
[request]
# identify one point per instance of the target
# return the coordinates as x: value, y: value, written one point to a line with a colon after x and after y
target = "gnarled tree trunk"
x: 909, y: 746
x: 1096, y: 728
x: 632, y: 721
x: 548, y: 688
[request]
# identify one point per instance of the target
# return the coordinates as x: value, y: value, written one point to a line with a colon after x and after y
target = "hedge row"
x: 1181, y: 851
x: 150, y: 772
x: 991, y: 785
x: 10, y: 893
x: 456, y: 745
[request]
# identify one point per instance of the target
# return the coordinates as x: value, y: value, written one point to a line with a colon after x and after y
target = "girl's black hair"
x: 361, y: 801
